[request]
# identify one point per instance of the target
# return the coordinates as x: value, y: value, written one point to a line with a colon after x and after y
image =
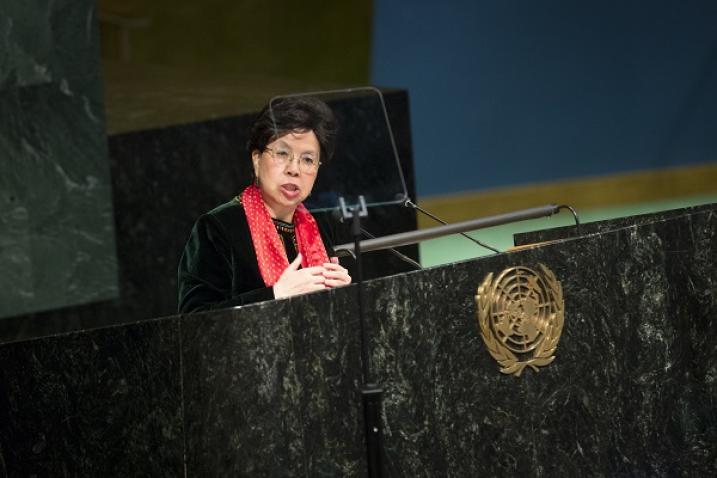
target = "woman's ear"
x: 255, y: 155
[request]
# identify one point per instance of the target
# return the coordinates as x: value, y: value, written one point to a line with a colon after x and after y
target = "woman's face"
x: 284, y: 186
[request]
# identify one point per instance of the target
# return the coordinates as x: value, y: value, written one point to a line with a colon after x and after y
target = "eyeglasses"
x: 308, y: 162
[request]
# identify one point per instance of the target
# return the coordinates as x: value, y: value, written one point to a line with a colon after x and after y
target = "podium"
x: 273, y: 389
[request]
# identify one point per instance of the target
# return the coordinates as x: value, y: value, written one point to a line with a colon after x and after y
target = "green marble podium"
x: 273, y: 389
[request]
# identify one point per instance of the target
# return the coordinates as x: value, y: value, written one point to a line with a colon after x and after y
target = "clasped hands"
x: 294, y: 281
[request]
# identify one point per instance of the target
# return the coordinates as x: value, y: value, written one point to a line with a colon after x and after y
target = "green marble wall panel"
x: 56, y: 221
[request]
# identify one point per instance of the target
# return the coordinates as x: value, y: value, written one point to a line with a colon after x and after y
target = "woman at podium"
x: 264, y: 244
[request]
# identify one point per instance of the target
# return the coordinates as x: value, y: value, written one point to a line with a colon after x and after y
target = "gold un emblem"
x: 520, y: 315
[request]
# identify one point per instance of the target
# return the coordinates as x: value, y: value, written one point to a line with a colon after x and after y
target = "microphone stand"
x: 371, y: 392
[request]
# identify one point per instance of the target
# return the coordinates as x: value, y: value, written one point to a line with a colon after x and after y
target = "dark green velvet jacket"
x: 218, y: 268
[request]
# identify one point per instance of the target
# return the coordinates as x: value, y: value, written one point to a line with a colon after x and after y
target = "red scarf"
x: 270, y: 252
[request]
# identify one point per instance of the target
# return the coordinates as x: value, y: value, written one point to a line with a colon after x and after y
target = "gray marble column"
x: 56, y: 223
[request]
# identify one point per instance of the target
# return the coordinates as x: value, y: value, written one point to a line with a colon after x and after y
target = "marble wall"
x: 57, y: 245
x: 632, y: 387
x: 273, y: 389
x: 102, y: 404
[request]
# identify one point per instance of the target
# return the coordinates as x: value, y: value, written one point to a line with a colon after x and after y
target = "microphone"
x: 411, y: 204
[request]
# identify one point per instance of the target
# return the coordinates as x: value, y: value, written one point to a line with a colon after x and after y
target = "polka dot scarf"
x: 270, y: 252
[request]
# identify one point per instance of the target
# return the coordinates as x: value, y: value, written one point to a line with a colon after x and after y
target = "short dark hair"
x: 295, y: 113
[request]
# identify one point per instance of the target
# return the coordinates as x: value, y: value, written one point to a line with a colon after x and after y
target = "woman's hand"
x: 294, y: 281
x: 335, y: 274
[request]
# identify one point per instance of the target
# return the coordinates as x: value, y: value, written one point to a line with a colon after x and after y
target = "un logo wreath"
x: 521, y: 313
